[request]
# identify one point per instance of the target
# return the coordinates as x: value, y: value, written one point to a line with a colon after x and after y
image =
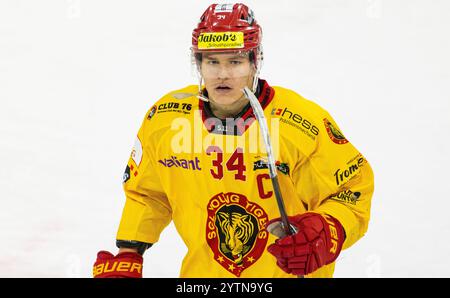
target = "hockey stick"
x: 259, y: 114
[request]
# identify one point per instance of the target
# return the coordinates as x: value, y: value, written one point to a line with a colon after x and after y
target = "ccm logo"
x: 117, y: 267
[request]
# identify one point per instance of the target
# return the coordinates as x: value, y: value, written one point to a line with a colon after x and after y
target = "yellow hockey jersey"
x: 211, y: 178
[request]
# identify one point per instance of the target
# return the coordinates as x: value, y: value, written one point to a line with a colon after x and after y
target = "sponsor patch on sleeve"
x: 335, y: 135
x: 136, y: 153
x: 152, y: 112
x: 347, y: 196
x: 126, y: 174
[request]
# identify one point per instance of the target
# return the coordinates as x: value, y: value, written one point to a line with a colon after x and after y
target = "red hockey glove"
x: 318, y: 242
x: 125, y: 264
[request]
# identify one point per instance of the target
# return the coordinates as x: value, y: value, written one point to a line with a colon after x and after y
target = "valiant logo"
x: 188, y: 164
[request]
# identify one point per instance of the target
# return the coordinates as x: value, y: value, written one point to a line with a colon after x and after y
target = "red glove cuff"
x: 126, y: 264
x: 318, y: 242
x: 335, y: 236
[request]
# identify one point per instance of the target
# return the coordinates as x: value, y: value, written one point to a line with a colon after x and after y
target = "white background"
x: 77, y: 77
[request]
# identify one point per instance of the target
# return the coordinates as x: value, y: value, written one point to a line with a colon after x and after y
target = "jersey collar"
x: 241, y: 121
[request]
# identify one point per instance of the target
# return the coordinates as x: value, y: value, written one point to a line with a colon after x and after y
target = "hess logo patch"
x: 235, y: 231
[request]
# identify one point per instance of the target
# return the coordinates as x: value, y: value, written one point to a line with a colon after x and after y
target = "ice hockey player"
x: 198, y: 161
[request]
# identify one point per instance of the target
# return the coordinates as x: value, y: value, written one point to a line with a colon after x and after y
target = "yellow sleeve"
x: 147, y: 211
x: 337, y: 180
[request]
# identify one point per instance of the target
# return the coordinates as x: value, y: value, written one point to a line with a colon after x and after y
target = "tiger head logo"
x: 239, y: 234
x: 235, y: 231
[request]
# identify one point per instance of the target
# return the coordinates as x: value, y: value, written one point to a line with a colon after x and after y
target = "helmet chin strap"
x: 255, y: 79
x: 200, y: 91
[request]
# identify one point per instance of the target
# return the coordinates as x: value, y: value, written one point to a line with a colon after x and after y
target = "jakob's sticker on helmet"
x: 220, y: 40
x: 235, y: 231
x: 335, y: 135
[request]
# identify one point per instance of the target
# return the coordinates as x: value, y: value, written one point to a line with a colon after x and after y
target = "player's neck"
x: 228, y: 111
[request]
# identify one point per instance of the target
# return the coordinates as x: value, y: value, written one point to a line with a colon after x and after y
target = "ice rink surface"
x: 77, y: 77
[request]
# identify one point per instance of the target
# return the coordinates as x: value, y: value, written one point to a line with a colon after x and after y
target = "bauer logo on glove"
x: 318, y: 242
x: 126, y: 264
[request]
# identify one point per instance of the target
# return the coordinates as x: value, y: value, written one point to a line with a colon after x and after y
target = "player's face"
x: 225, y: 75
